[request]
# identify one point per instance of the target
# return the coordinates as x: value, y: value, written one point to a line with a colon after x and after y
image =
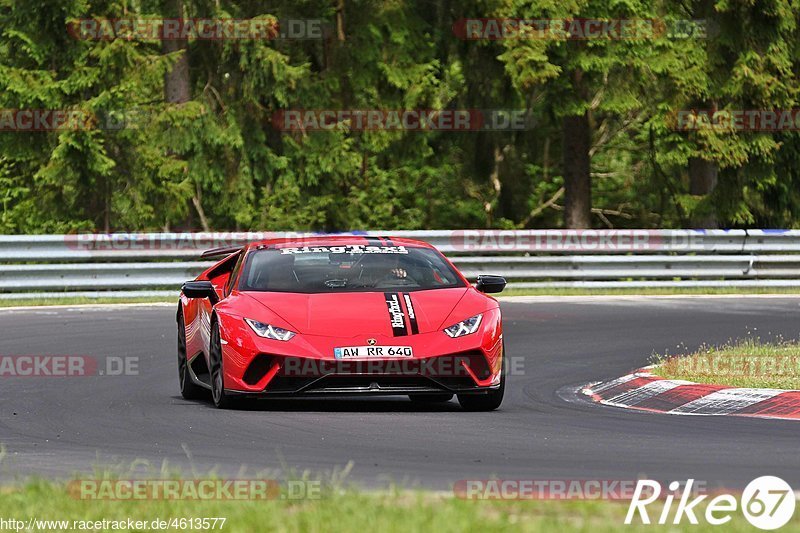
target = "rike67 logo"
x: 767, y: 502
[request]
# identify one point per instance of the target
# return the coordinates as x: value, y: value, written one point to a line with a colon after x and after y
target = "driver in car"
x: 380, y: 267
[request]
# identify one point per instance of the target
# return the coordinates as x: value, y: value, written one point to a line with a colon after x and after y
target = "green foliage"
x: 217, y: 161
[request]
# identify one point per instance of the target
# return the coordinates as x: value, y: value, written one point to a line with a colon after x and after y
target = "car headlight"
x: 465, y: 327
x: 269, y: 332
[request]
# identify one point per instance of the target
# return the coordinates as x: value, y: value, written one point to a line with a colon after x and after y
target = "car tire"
x: 189, y: 389
x: 221, y: 399
x: 488, y: 401
x: 431, y: 397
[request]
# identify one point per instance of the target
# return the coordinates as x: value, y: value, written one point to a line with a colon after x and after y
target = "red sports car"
x: 340, y: 315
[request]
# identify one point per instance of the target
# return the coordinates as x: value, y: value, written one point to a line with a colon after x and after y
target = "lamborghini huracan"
x: 340, y: 315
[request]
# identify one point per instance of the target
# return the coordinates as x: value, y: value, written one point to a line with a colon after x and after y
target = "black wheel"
x: 431, y: 397
x: 189, y: 389
x: 218, y: 395
x: 488, y: 401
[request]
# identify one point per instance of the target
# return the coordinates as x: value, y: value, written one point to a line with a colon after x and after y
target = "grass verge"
x: 82, y: 301
x: 665, y: 291
x: 743, y: 363
x: 350, y: 510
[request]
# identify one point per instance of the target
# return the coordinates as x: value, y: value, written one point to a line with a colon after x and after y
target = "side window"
x: 234, y: 274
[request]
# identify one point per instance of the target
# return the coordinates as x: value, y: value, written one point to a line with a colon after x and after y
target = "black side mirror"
x: 200, y: 289
x: 491, y: 284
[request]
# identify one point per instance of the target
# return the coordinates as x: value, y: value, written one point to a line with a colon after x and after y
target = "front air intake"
x: 257, y: 369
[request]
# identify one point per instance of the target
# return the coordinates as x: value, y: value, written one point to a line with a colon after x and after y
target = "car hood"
x: 348, y: 314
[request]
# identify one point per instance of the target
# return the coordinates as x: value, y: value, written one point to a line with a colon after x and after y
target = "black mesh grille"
x: 299, y: 374
x: 383, y: 382
x: 258, y: 369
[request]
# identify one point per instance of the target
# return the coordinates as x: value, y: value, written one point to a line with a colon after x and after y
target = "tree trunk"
x: 702, y: 181
x: 577, y: 165
x: 340, y: 20
x: 197, y: 200
x: 178, y: 90
x: 177, y: 87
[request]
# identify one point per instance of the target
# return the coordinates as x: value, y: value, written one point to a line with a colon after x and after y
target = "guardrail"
x: 93, y: 265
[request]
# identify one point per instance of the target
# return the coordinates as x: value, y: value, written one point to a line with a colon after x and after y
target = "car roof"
x: 327, y: 240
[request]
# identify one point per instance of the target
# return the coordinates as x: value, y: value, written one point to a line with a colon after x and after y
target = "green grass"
x: 82, y: 301
x: 349, y: 510
x: 743, y: 363
x: 508, y: 292
x: 666, y: 291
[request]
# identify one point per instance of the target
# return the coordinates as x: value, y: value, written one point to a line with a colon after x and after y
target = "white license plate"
x: 358, y: 352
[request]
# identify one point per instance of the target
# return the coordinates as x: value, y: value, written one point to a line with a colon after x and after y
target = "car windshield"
x: 347, y: 268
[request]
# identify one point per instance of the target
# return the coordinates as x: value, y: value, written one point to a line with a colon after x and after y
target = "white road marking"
x: 640, y: 394
x: 609, y: 384
x: 726, y: 401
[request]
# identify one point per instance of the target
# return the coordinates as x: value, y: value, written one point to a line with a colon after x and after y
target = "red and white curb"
x: 644, y: 391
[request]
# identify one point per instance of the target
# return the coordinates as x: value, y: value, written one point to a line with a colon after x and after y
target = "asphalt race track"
x: 55, y: 426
